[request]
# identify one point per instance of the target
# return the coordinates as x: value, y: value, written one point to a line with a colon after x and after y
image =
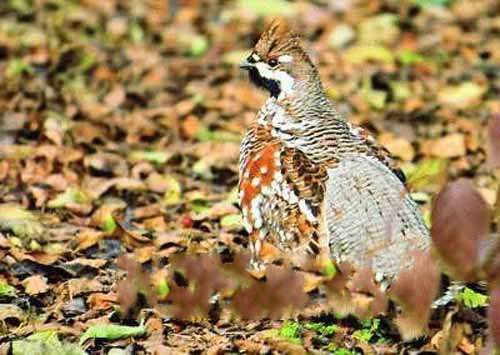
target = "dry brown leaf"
x: 76, y: 287
x: 399, y: 147
x: 93, y: 263
x: 35, y: 285
x: 88, y: 238
x: 450, y: 146
x: 102, y: 301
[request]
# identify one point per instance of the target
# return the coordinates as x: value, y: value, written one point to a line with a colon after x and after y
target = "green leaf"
x: 87, y: 61
x: 136, y: 33
x: 427, y: 3
x: 198, y: 46
x: 109, y: 224
x: 461, y: 95
x: 17, y: 67
x: 203, y: 168
x: 267, y: 7
x: 70, y: 196
x: 157, y: 157
x: 232, y: 222
x: 427, y: 218
x: 409, y: 57
x: 47, y: 343
x: 400, y: 90
x: 363, y: 53
x: 472, y: 299
x: 6, y: 290
x: 329, y: 270
x: 420, y: 196
x: 322, y: 328
x: 375, y: 98
x: 112, y: 332
x: 22, y: 6
x: 204, y: 134
x: 370, y: 328
x: 200, y: 205
x: 290, y: 331
x: 425, y: 173
x: 172, y: 195
x: 233, y: 195
x: 20, y: 222
x: 48, y: 336
x: 162, y: 289
x: 379, y: 29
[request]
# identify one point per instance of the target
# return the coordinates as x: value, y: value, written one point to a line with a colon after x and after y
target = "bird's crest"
x: 277, y: 38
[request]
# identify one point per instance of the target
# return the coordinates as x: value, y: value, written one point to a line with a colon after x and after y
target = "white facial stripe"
x: 264, y: 70
x: 285, y: 58
x: 286, y: 81
x: 255, y: 57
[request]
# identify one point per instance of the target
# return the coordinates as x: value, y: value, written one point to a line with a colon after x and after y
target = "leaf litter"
x: 119, y: 132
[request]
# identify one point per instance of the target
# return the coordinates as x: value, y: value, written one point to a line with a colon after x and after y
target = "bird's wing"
x: 370, y: 219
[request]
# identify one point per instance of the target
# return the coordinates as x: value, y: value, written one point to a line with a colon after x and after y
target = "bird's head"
x: 278, y: 63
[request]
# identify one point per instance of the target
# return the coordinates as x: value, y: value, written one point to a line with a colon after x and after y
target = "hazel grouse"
x: 313, y: 184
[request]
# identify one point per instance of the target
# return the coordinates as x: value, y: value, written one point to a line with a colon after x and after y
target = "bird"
x: 311, y: 184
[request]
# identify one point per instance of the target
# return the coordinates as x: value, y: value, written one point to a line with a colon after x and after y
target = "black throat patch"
x: 271, y: 85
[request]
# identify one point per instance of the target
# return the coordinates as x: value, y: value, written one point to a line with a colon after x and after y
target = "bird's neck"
x: 309, y: 101
x: 300, y: 117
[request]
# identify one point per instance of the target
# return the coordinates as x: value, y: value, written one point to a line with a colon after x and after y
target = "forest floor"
x: 120, y: 124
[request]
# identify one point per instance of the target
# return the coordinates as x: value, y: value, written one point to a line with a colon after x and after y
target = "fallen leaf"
x: 398, y: 147
x: 46, y: 343
x: 341, y: 36
x: 6, y: 290
x: 73, y: 199
x: 232, y: 222
x: 360, y: 53
x: 80, y: 286
x: 112, y: 332
x: 107, y: 163
x: 379, y: 29
x: 462, y: 96
x: 35, y: 285
x: 450, y: 146
x: 157, y: 157
x: 22, y: 223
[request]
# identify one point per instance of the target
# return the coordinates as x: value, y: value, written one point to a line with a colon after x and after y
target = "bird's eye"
x: 273, y: 62
x: 251, y: 59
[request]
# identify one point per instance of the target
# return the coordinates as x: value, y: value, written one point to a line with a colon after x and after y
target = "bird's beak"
x: 245, y: 64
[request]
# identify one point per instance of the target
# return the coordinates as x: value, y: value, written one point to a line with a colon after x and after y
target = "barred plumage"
x: 310, y: 182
